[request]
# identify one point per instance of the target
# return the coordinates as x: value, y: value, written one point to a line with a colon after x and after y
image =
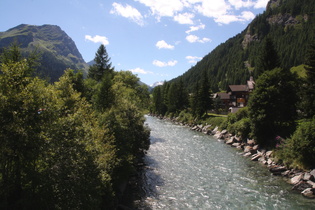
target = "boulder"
x: 309, y: 192
x: 255, y: 157
x: 224, y: 132
x: 301, y: 185
x: 308, y: 177
x: 247, y: 154
x: 286, y: 173
x: 269, y: 162
x: 250, y: 142
x: 311, y: 183
x: 238, y: 145
x: 277, y: 170
x: 248, y: 149
x: 268, y: 154
x: 255, y: 147
x: 296, y: 179
x: 215, y: 130
x: 313, y: 172
x: 230, y: 140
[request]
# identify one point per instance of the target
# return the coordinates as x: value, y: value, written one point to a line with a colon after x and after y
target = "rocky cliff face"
x: 58, y: 50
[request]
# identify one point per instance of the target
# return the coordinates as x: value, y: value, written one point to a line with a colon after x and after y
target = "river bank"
x: 301, y: 181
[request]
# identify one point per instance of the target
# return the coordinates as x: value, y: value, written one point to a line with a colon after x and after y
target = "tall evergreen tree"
x: 102, y: 64
x: 268, y: 59
x: 309, y: 88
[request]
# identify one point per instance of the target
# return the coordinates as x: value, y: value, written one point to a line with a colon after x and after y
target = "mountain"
x: 156, y: 84
x: 289, y: 23
x: 58, y: 51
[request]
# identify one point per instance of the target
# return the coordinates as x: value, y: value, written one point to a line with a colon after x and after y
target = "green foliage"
x: 60, y: 151
x: 299, y: 150
x: 268, y: 58
x: 102, y: 64
x: 308, y: 89
x: 272, y: 106
x: 225, y: 64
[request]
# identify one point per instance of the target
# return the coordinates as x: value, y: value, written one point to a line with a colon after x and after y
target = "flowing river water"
x: 190, y: 170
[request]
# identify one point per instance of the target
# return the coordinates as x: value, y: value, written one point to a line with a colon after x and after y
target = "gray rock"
x: 301, y: 185
x: 230, y: 140
x: 311, y: 183
x: 308, y: 177
x: 247, y: 154
x: 296, y: 179
x: 309, y: 192
x: 313, y: 172
x: 277, y: 170
x: 224, y: 132
x: 248, y: 149
x: 236, y: 144
x: 255, y: 157
x: 268, y: 154
x: 250, y: 142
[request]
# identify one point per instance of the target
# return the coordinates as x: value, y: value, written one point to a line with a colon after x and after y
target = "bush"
x: 299, y: 150
x: 240, y: 128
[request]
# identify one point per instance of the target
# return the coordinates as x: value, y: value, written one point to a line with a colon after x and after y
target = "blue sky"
x: 156, y: 39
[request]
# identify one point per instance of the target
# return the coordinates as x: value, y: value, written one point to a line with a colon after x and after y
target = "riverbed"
x: 190, y: 170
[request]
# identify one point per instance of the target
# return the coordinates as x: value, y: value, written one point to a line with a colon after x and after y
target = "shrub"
x: 299, y: 150
x: 240, y: 128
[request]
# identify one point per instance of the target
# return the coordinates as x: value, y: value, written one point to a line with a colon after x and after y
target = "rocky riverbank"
x: 302, y: 181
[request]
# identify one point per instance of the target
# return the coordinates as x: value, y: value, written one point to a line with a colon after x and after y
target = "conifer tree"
x: 309, y: 88
x: 102, y: 64
x: 268, y: 58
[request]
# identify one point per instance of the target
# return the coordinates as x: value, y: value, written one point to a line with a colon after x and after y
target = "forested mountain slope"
x: 290, y: 24
x: 58, y: 51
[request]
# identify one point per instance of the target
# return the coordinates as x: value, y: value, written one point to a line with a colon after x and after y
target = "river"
x: 190, y: 170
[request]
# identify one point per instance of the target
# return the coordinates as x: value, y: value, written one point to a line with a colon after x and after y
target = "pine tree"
x: 309, y: 89
x: 268, y: 58
x: 102, y: 64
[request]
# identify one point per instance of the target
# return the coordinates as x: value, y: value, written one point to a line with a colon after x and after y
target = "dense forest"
x: 280, y: 111
x: 72, y: 144
x: 290, y: 24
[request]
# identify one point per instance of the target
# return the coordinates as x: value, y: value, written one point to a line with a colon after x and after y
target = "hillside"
x: 289, y: 23
x: 58, y: 50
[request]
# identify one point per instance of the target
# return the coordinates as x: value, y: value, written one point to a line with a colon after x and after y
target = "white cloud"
x: 128, y: 12
x: 196, y: 28
x: 261, y: 4
x: 193, y: 59
x: 162, y: 8
x: 240, y: 3
x: 97, y: 39
x: 140, y: 71
x: 213, y: 9
x: 247, y: 15
x: 194, y: 38
x: 227, y: 19
x: 164, y: 64
x: 184, y: 11
x: 185, y: 18
x: 163, y: 45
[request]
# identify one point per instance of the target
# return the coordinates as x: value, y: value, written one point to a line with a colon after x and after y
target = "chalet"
x: 236, y: 96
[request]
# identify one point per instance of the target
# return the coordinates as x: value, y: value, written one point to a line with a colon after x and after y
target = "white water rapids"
x: 190, y: 170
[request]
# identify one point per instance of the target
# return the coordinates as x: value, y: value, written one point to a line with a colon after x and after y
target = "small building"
x: 236, y: 96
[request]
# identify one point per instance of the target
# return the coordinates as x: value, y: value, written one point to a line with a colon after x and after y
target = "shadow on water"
x: 151, y: 181
x: 156, y: 140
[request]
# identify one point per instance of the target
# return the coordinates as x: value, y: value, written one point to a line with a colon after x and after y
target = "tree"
x: 308, y: 90
x: 272, y: 106
x: 201, y: 100
x: 102, y: 64
x: 268, y: 58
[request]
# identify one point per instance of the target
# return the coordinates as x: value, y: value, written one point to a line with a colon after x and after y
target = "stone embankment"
x: 302, y: 181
